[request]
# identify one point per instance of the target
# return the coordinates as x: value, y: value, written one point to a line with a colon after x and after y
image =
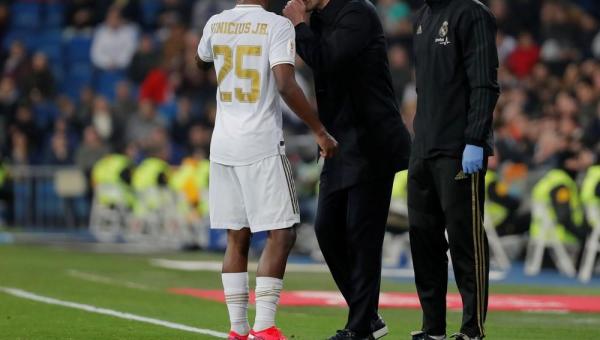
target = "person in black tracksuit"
x: 456, y: 70
x: 346, y: 49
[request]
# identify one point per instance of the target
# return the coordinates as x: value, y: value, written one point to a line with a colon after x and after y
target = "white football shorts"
x: 260, y: 196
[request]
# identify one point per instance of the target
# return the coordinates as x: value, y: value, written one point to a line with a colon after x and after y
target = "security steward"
x: 345, y: 46
x: 502, y: 208
x: 590, y: 187
x: 111, y: 178
x: 456, y: 74
x: 558, y: 190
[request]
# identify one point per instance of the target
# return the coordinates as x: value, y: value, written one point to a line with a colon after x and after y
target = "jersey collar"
x: 247, y: 7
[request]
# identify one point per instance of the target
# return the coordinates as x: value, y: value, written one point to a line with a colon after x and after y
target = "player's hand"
x: 327, y: 143
x: 295, y: 10
x: 472, y: 160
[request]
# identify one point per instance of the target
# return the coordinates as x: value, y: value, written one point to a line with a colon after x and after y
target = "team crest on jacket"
x: 443, y: 35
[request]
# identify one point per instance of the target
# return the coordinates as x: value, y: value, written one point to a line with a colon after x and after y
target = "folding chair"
x: 547, y: 238
x: 592, y: 245
x: 499, y: 254
x: 396, y: 247
x: 109, y: 216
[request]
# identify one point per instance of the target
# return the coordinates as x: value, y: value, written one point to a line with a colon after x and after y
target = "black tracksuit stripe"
x: 476, y: 251
x: 480, y: 253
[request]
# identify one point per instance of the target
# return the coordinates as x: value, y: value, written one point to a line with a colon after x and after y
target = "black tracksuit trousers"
x: 350, y: 228
x: 441, y: 198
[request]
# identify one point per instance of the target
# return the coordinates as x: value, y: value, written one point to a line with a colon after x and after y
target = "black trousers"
x: 441, y: 198
x: 350, y: 227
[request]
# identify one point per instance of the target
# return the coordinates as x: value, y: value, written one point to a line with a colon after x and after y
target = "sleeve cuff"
x: 283, y: 61
x: 205, y: 59
x: 475, y: 142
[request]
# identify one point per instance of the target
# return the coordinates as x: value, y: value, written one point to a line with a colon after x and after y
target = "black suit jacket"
x: 346, y: 48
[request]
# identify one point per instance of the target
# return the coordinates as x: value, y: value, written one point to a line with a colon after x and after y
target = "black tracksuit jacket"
x: 457, y: 63
x: 346, y: 49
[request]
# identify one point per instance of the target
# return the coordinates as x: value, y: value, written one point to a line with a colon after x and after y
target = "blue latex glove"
x: 472, y: 160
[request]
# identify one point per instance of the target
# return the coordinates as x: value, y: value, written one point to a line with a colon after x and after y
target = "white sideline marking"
x: 93, y: 309
x: 106, y: 280
x: 215, y: 266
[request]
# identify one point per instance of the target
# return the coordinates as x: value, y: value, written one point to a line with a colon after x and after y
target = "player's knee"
x: 239, y: 239
x: 284, y: 238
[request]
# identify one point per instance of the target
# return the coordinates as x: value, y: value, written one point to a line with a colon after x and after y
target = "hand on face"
x: 295, y: 10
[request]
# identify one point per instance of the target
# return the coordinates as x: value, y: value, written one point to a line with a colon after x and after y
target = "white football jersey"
x: 245, y: 43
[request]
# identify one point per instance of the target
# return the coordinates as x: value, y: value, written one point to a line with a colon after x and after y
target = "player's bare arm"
x: 292, y: 94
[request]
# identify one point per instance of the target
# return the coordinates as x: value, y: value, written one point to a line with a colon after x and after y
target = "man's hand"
x: 327, y: 143
x: 295, y: 10
x: 472, y: 160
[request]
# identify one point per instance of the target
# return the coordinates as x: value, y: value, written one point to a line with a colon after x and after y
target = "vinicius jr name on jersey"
x: 239, y: 28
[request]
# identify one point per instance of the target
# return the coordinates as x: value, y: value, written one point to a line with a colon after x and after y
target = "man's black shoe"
x: 346, y: 334
x: 379, y: 329
x: 420, y: 335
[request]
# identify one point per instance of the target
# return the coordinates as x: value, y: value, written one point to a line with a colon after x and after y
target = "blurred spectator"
x: 16, y: 63
x: 193, y: 79
x: 142, y: 124
x: 124, y: 105
x: 400, y: 69
x: 24, y: 123
x: 90, y: 150
x: 144, y: 60
x: 395, y: 16
x: 559, y: 33
x: 524, y: 57
x: 85, y: 105
x: 4, y: 18
x: 183, y: 120
x: 58, y: 153
x: 20, y: 152
x: 198, y: 139
x: 175, y: 11
x: 155, y: 86
x: 8, y: 104
x: 114, y: 42
x: 39, y: 83
x: 506, y: 45
x: 203, y: 10
x: 102, y: 119
x: 81, y: 14
x: 68, y: 113
x: 174, y: 46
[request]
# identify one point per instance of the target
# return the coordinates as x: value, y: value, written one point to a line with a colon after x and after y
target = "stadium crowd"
x: 82, y: 78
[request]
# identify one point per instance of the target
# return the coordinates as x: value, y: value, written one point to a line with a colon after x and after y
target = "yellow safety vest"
x: 497, y: 212
x: 588, y: 187
x: 145, y: 182
x: 107, y: 171
x: 202, y: 176
x: 146, y: 175
x: 542, y: 193
x: 399, y: 190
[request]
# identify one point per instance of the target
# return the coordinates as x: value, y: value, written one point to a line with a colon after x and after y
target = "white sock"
x: 268, y: 290
x: 236, y: 290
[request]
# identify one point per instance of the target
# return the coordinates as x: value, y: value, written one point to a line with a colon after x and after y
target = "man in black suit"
x: 346, y: 48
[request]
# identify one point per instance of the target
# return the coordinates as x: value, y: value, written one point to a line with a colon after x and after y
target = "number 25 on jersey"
x: 240, y: 72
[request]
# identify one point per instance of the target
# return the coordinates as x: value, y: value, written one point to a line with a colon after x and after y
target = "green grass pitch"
x: 132, y: 285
